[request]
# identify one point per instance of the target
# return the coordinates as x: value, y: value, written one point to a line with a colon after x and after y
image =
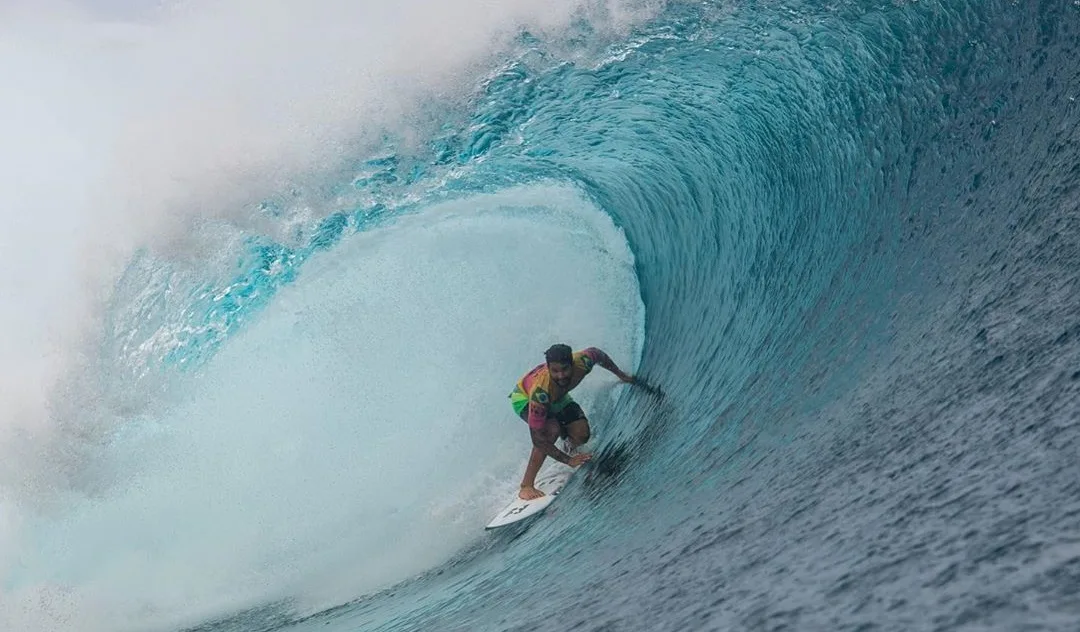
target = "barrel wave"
x: 842, y: 239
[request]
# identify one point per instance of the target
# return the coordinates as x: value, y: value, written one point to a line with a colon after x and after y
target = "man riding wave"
x: 542, y: 399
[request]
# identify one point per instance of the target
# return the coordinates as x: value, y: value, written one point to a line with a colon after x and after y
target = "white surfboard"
x: 550, y: 483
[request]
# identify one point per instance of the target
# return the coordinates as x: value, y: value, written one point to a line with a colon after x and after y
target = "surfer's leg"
x: 528, y: 490
x: 577, y: 432
x: 574, y: 425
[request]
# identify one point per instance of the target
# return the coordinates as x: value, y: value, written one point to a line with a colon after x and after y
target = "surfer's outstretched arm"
x: 598, y: 356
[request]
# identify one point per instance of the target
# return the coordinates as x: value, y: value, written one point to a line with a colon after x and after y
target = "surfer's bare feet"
x: 530, y: 493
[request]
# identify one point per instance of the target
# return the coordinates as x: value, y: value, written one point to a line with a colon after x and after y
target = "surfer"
x: 542, y: 399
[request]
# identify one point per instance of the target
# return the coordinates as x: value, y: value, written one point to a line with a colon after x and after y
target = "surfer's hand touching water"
x: 641, y: 383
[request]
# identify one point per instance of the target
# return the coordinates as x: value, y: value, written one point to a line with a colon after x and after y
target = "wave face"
x: 843, y: 238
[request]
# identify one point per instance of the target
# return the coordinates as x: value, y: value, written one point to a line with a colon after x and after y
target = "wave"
x: 839, y: 236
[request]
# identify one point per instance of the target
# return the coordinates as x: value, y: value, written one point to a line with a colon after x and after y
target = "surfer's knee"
x: 548, y: 434
x: 579, y: 431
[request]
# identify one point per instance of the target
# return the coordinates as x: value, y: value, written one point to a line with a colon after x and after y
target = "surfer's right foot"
x: 530, y: 493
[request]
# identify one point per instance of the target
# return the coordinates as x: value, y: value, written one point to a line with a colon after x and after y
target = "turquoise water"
x: 843, y: 239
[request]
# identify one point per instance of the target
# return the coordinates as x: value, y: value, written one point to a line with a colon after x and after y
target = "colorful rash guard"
x: 543, y: 396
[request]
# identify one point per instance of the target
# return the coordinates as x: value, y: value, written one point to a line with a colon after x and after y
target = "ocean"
x: 842, y: 237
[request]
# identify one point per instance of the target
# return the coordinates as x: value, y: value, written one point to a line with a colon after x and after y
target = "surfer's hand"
x: 578, y: 459
x: 649, y: 388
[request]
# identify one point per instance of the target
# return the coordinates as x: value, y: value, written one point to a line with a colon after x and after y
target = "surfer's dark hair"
x: 559, y: 354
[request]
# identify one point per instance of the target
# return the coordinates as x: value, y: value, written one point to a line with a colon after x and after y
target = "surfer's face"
x: 561, y: 372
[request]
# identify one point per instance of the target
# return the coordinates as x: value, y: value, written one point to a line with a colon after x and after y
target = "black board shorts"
x: 569, y: 414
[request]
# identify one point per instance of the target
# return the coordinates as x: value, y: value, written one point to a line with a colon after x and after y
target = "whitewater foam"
x: 356, y: 434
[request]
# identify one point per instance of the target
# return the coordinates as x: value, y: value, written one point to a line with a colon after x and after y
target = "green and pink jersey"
x: 543, y: 396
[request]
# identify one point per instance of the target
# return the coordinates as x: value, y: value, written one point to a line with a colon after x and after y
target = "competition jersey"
x: 543, y: 392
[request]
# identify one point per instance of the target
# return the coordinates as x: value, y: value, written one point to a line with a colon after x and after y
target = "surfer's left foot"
x: 530, y: 493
